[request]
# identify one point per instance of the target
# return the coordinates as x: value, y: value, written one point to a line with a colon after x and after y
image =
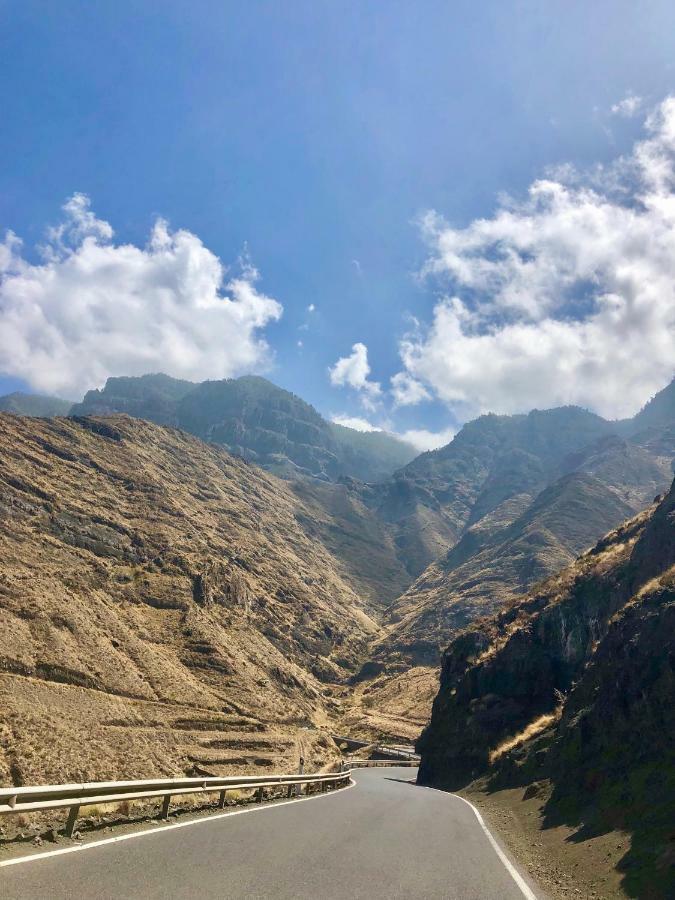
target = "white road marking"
x: 513, y: 872
x: 510, y: 868
x: 161, y: 830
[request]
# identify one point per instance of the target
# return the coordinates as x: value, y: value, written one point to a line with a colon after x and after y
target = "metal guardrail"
x: 396, y: 752
x: 74, y: 796
x: 363, y: 763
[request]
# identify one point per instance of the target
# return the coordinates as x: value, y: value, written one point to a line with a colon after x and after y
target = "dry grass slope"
x: 162, y: 609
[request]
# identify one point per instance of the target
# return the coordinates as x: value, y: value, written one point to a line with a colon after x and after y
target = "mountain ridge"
x: 255, y: 419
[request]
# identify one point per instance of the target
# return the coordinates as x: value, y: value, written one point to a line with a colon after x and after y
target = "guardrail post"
x: 72, y: 820
x: 221, y: 800
x: 259, y: 795
x: 165, y: 806
x: 301, y: 770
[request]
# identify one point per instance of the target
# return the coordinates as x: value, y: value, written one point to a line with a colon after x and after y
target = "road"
x: 382, y: 838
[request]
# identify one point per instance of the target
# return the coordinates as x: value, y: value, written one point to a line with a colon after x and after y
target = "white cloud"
x: 407, y: 391
x: 311, y: 308
x: 566, y: 297
x: 355, y: 422
x: 420, y: 439
x: 427, y: 440
x: 353, y: 371
x: 628, y: 107
x: 94, y: 308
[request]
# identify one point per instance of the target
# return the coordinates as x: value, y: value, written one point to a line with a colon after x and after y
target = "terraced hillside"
x: 162, y: 608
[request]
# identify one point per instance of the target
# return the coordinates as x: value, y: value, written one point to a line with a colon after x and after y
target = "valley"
x: 169, y: 605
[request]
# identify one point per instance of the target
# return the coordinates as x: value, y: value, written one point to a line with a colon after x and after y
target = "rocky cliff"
x: 570, y: 691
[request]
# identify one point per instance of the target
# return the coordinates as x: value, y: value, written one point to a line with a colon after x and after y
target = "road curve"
x: 382, y: 838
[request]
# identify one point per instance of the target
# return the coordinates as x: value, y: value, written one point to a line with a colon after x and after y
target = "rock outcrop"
x: 574, y: 685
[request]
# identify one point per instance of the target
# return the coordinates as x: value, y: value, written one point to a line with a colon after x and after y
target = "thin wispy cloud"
x: 407, y: 391
x: 356, y: 422
x: 628, y: 107
x: 423, y: 440
x: 93, y: 308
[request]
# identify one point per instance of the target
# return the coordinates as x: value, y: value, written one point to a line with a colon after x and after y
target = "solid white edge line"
x: 78, y: 848
x: 510, y: 868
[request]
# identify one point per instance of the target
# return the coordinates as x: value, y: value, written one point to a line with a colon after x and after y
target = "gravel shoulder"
x: 562, y: 860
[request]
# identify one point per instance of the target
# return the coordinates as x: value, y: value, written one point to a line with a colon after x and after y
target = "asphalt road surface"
x: 382, y: 838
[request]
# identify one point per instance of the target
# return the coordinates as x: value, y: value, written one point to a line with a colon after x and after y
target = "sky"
x: 407, y: 213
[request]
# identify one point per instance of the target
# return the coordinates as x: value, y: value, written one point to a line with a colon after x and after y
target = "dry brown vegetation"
x: 161, y: 608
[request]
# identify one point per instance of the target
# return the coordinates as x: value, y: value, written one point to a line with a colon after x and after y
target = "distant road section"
x: 383, y: 838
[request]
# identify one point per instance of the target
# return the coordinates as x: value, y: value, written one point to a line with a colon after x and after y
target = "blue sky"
x: 317, y: 136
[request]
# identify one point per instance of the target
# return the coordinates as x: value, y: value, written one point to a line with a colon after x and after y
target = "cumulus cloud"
x: 93, y: 308
x: 565, y: 297
x: 427, y: 440
x: 353, y: 371
x: 407, y: 391
x: 355, y: 422
x: 628, y: 107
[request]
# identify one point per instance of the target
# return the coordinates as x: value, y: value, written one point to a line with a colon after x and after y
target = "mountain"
x: 450, y: 535
x: 497, y: 557
x: 162, y: 608
x: 255, y: 419
x: 524, y: 495
x: 569, y: 692
x: 492, y: 461
x: 34, y: 405
x: 151, y: 397
x: 659, y: 412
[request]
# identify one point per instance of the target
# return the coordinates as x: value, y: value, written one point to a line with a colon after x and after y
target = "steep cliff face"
x: 611, y: 760
x: 161, y: 606
x: 151, y: 397
x: 574, y: 685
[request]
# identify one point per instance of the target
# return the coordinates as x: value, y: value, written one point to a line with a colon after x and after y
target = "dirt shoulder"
x: 563, y: 862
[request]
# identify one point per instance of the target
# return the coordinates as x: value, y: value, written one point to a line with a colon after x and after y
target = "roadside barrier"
x: 74, y: 796
x: 364, y: 763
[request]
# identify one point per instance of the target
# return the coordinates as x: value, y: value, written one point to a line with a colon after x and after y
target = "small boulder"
x: 535, y: 789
